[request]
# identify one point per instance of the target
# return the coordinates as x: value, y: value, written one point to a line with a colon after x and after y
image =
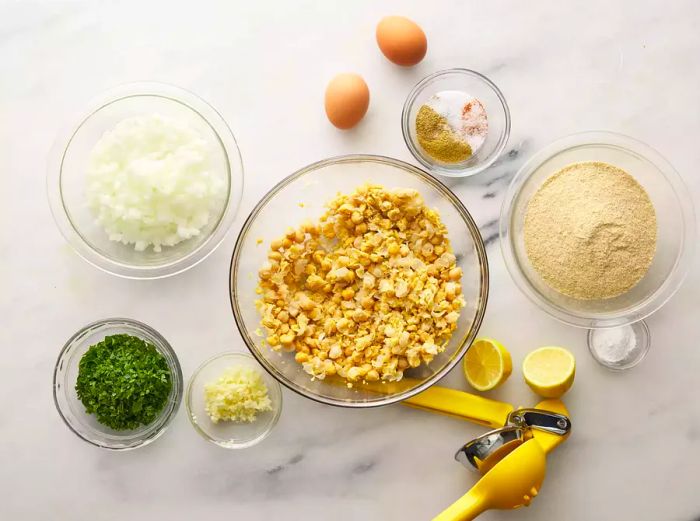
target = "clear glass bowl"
x: 481, y: 88
x: 71, y: 408
x: 627, y: 348
x: 66, y: 179
x: 230, y: 435
x: 302, y: 196
x: 675, y: 233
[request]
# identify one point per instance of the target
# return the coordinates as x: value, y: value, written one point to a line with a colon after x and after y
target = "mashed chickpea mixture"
x: 367, y: 292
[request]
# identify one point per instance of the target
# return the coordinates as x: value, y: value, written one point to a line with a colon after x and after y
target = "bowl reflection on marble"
x: 314, y: 186
x: 675, y: 228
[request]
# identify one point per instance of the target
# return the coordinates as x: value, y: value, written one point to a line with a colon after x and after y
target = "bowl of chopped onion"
x: 147, y: 182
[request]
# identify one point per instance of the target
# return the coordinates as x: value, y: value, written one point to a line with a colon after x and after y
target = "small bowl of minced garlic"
x: 232, y: 401
x: 456, y: 122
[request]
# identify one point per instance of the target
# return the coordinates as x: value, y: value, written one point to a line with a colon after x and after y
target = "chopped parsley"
x: 124, y: 381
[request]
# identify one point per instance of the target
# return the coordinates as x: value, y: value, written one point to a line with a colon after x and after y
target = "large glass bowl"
x: 66, y: 179
x: 675, y: 232
x: 71, y: 409
x: 303, y: 196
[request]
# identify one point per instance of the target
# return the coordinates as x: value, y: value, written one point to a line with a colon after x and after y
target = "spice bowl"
x: 69, y: 194
x: 71, y: 409
x: 676, y: 233
x: 230, y: 434
x: 481, y: 88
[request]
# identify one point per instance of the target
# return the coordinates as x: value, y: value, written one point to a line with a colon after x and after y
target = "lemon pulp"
x: 487, y: 364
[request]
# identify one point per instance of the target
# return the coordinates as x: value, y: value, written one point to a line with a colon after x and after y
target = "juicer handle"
x: 466, y: 508
x: 461, y: 405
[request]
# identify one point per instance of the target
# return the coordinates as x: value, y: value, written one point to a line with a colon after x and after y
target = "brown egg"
x: 347, y: 99
x: 401, y: 40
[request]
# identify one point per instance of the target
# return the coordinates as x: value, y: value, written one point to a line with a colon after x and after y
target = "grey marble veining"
x: 563, y: 66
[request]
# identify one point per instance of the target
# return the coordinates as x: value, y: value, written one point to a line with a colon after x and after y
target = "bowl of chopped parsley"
x: 117, y: 384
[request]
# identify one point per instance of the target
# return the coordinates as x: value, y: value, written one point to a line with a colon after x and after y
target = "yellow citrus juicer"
x: 510, y: 483
x: 514, y: 472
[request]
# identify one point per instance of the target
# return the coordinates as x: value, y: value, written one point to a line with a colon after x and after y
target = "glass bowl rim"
x: 409, y: 168
x: 225, y: 139
x: 588, y: 138
x: 176, y: 371
x: 276, y: 413
x: 436, y: 167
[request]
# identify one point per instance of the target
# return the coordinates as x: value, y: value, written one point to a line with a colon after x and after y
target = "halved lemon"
x: 549, y: 371
x: 487, y: 364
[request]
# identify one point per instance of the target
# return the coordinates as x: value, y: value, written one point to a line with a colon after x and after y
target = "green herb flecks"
x: 124, y: 381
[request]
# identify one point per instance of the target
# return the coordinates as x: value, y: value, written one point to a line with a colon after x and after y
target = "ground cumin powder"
x: 437, y: 138
x: 590, y: 231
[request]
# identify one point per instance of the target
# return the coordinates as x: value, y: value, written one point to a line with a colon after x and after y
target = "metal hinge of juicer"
x: 540, y: 419
x: 482, y: 453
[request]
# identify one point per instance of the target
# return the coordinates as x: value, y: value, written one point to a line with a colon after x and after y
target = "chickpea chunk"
x: 287, y: 338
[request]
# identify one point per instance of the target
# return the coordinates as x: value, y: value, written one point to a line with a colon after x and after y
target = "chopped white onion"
x: 150, y: 182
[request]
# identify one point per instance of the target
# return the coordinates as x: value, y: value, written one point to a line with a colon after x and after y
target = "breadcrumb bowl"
x: 676, y: 234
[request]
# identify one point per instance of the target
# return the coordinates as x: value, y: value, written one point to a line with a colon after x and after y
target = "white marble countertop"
x: 623, y: 66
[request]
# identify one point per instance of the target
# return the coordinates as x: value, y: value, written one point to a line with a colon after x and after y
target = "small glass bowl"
x: 481, y: 88
x: 66, y: 180
x: 230, y: 435
x: 675, y: 228
x: 632, y: 357
x: 70, y: 407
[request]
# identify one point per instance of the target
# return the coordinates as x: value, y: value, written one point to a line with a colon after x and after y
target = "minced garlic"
x: 238, y: 395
